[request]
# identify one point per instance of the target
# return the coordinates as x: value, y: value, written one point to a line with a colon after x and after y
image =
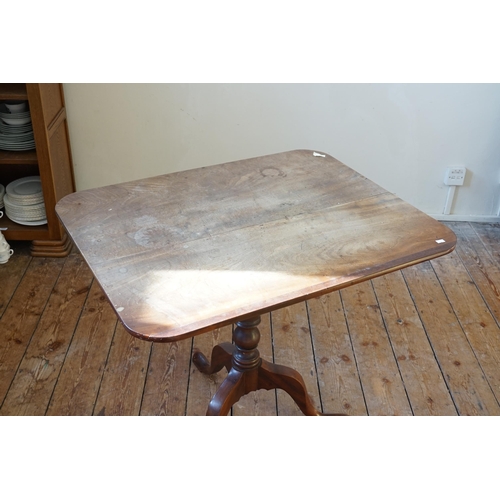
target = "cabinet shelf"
x: 14, y: 91
x: 18, y: 157
x: 17, y: 231
x: 51, y: 160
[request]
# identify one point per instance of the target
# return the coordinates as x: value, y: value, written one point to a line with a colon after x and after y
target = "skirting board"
x: 466, y: 218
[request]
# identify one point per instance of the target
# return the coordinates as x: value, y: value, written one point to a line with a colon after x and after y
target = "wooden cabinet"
x: 51, y: 160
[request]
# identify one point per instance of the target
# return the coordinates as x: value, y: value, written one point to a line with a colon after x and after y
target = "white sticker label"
x: 319, y: 154
x: 440, y: 241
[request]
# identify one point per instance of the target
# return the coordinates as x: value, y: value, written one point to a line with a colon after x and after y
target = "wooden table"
x: 181, y: 254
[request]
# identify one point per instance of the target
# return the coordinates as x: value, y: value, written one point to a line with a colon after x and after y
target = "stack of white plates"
x: 2, y: 193
x: 24, y: 202
x: 16, y: 130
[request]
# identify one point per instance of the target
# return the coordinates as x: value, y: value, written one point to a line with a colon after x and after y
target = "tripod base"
x: 248, y: 372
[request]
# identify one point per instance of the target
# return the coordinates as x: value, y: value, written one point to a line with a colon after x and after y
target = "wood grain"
x: 464, y: 377
x: 261, y: 402
x: 36, y: 377
x: 489, y: 234
x: 383, y: 387
x: 338, y: 378
x: 293, y: 348
x: 122, y: 385
x: 203, y: 387
x: 20, y: 320
x: 479, y: 326
x: 419, y: 369
x: 167, y: 381
x: 186, y: 253
x: 481, y: 266
x: 12, y: 274
x: 181, y: 254
x: 78, y: 384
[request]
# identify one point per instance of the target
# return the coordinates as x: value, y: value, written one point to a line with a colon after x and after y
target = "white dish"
x: 24, y: 201
x: 26, y: 212
x: 16, y: 139
x: 4, y: 126
x: 24, y: 147
x: 16, y: 121
x: 25, y: 187
x: 16, y: 107
x: 24, y: 114
x: 22, y: 220
x: 25, y: 129
x: 25, y: 204
x: 29, y: 223
x: 31, y: 199
x: 25, y: 215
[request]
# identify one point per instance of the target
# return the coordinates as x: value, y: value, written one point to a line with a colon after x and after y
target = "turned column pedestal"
x: 248, y: 372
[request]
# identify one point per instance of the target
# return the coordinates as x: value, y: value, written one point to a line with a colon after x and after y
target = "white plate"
x: 29, y: 223
x: 19, y: 128
x: 24, y: 208
x: 27, y: 147
x: 26, y: 202
x: 25, y: 214
x: 9, y: 129
x: 16, y: 121
x: 21, y: 220
x: 22, y: 114
x: 25, y: 187
x: 16, y: 107
x: 17, y: 138
x: 29, y: 199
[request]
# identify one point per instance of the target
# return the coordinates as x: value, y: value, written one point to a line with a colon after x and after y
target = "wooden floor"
x: 424, y: 341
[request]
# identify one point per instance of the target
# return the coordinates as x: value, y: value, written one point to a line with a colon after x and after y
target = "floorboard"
x: 381, y: 380
x: 293, y: 347
x: 203, y: 387
x: 78, y: 384
x: 422, y: 377
x: 34, y: 382
x: 22, y: 316
x: 461, y: 370
x: 338, y: 379
x: 421, y: 341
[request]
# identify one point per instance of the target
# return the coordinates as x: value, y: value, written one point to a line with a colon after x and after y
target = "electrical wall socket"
x: 455, y: 176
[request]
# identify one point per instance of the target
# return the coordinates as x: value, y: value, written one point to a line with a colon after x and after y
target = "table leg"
x: 272, y: 376
x: 221, y: 357
x: 249, y: 372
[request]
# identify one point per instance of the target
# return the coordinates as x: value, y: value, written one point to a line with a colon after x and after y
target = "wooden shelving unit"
x: 51, y: 160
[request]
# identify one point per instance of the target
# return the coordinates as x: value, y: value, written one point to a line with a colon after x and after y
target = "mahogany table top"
x: 183, y: 253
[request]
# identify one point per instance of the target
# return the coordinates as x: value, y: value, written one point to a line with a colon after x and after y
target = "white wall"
x: 402, y: 136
